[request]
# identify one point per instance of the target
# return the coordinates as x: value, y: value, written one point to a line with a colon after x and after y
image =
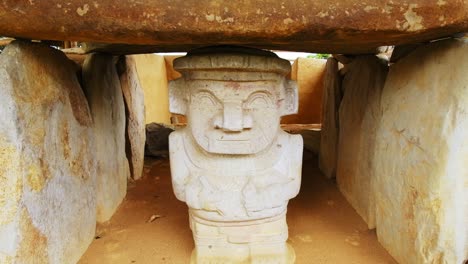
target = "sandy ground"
x: 323, y: 228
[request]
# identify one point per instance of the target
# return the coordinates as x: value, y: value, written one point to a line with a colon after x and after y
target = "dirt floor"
x: 323, y: 228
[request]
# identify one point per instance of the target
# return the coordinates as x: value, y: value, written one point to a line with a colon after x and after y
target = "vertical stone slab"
x: 330, y: 103
x: 102, y: 88
x: 135, y: 110
x: 421, y: 156
x: 359, y: 115
x: 47, y: 158
x: 309, y: 74
x: 151, y: 70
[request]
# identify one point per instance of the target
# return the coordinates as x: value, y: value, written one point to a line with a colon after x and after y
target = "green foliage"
x: 319, y: 56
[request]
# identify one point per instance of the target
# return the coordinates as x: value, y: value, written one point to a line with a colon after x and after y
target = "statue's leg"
x: 258, y: 241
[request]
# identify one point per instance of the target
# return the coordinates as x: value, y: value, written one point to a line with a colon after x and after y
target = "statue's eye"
x: 204, y: 99
x: 259, y: 100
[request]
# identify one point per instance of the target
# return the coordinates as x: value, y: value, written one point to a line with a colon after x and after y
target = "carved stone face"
x: 232, y: 163
x: 226, y: 117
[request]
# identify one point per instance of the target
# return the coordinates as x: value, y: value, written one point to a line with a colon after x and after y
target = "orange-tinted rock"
x: 308, y: 73
x: 171, y: 73
x: 151, y: 71
x: 346, y: 26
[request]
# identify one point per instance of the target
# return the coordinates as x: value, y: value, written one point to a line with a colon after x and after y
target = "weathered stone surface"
x: 359, y: 115
x: 157, y: 140
x: 233, y: 165
x: 102, y: 88
x: 421, y: 156
x: 151, y: 70
x: 346, y: 26
x: 135, y: 109
x: 330, y: 104
x: 308, y: 73
x: 47, y: 158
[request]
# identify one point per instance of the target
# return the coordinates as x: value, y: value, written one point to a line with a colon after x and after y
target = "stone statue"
x: 233, y: 165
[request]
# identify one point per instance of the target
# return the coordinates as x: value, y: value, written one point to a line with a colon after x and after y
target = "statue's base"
x: 272, y: 255
x: 257, y: 241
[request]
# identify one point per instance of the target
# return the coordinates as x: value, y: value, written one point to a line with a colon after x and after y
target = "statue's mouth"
x: 233, y: 137
x: 231, y: 146
x: 233, y: 140
x: 243, y: 142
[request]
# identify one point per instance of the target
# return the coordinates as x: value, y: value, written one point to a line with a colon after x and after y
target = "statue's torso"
x: 225, y: 187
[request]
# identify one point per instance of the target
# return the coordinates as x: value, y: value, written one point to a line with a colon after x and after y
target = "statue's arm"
x: 277, y: 189
x: 179, y: 170
x: 295, y: 171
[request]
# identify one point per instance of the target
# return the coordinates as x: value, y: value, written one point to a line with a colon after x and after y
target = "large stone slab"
x: 47, y: 158
x: 359, y: 115
x: 102, y: 88
x: 330, y: 104
x: 308, y: 73
x: 151, y: 71
x: 135, y: 109
x: 421, y: 156
x: 346, y: 26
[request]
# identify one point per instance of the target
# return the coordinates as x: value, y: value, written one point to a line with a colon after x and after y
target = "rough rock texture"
x: 151, y: 70
x: 135, y: 110
x: 47, y: 158
x: 421, y: 156
x: 359, y: 115
x: 299, y: 25
x: 346, y: 26
x: 308, y: 73
x: 330, y: 104
x: 157, y: 140
x: 102, y: 88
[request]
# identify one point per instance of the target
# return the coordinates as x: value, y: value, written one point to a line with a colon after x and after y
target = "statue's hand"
x: 192, y: 194
x: 210, y: 198
x: 253, y: 200
x: 268, y: 197
x: 200, y: 194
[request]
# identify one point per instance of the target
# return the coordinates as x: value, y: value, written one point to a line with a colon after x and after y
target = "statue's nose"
x: 233, y: 118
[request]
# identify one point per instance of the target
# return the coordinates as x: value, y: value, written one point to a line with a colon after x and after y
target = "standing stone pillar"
x: 233, y: 165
